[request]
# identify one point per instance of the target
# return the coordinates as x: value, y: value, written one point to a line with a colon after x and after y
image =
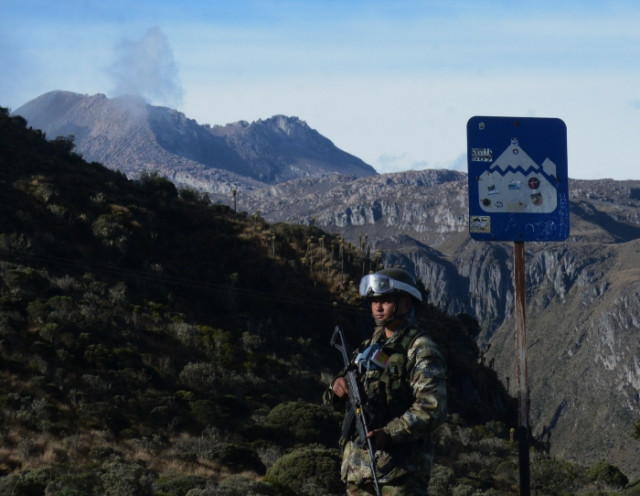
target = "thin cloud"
x: 379, y: 79
x: 146, y: 68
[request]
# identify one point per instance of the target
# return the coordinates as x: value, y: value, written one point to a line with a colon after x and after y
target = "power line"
x: 225, y: 288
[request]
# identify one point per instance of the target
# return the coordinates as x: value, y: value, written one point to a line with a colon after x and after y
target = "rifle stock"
x: 356, y: 404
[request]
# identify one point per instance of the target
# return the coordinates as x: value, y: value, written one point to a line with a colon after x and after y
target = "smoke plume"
x: 146, y: 68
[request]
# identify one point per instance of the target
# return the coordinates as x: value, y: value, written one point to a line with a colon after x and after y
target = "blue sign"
x: 518, y: 179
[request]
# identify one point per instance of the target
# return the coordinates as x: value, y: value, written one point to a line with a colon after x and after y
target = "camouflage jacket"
x: 407, y: 399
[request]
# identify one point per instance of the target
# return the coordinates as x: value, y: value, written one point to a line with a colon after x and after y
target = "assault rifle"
x: 356, y: 405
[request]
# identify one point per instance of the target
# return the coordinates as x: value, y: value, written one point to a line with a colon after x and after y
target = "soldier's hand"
x: 340, y: 388
x: 379, y: 439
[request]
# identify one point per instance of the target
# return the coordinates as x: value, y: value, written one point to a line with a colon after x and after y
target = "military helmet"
x: 387, y: 281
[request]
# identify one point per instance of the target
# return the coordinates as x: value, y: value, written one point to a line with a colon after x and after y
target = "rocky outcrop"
x: 129, y: 135
x: 582, y: 295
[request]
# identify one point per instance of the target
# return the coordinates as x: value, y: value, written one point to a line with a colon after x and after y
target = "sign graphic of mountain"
x: 516, y: 183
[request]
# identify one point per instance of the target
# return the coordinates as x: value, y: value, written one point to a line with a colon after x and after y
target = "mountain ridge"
x: 129, y: 135
x: 583, y: 294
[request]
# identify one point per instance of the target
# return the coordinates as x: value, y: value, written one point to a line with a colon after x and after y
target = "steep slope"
x: 583, y: 323
x: 123, y: 135
x: 283, y: 148
x: 148, y: 336
x: 582, y: 294
x: 128, y: 135
x: 583, y: 298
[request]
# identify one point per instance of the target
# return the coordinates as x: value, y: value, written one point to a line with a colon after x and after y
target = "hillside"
x: 152, y: 342
x: 583, y: 295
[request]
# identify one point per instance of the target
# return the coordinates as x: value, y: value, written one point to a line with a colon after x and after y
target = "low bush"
x: 236, y: 485
x: 306, y: 423
x: 179, y: 486
x: 608, y: 474
x: 307, y: 468
x: 28, y: 483
x: 74, y: 484
x: 235, y: 457
x: 122, y: 477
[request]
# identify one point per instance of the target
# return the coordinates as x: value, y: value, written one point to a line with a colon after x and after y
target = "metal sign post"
x: 518, y: 191
x: 518, y: 184
x: 521, y: 364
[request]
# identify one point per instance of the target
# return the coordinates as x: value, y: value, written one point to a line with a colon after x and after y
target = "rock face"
x: 582, y: 294
x: 128, y: 135
x: 582, y: 298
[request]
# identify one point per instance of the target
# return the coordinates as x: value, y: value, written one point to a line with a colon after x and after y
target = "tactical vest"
x: 388, y: 391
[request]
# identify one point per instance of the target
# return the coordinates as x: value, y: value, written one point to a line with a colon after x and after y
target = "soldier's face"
x: 383, y: 307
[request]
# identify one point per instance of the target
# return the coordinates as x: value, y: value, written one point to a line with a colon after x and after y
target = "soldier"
x: 402, y: 372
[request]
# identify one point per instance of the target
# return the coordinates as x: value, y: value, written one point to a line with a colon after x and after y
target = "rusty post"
x: 521, y: 362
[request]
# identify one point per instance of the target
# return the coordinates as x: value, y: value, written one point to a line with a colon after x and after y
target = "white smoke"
x: 146, y: 68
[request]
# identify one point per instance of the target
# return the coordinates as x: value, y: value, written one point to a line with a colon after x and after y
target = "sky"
x: 391, y: 82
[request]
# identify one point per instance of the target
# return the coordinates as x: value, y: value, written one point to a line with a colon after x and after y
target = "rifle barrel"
x: 355, y: 401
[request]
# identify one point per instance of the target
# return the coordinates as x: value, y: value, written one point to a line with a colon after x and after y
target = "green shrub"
x: 507, y: 471
x: 200, y: 377
x: 236, y: 485
x: 113, y: 230
x: 306, y: 423
x: 554, y: 477
x: 121, y: 477
x: 28, y: 483
x: 604, y: 472
x: 156, y: 186
x: 463, y: 490
x: 193, y: 196
x: 213, y: 412
x: 236, y: 457
x: 441, y: 479
x: 103, y: 453
x: 307, y: 467
x: 180, y: 486
x: 74, y: 484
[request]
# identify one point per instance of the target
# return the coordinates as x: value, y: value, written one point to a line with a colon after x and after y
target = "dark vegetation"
x: 152, y: 343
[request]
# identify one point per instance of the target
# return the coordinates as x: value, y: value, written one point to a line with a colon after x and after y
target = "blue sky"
x: 393, y: 83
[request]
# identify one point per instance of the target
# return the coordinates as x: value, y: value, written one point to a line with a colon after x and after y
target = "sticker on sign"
x: 518, y: 184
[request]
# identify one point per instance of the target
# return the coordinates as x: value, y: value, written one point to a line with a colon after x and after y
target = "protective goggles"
x: 380, y: 284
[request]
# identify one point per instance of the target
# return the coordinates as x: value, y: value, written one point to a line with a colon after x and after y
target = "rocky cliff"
x: 582, y: 301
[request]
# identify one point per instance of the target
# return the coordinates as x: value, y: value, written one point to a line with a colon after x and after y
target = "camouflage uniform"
x: 408, y: 400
